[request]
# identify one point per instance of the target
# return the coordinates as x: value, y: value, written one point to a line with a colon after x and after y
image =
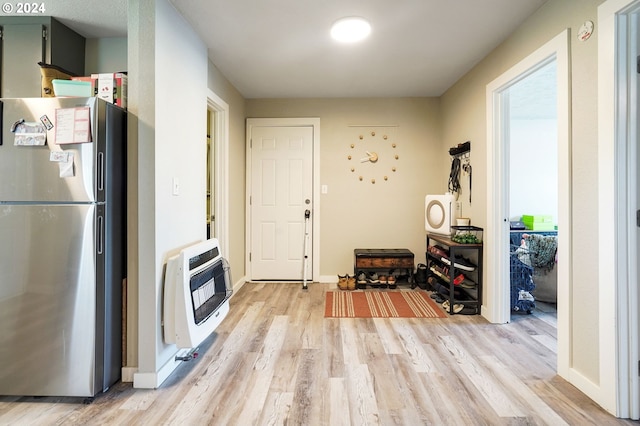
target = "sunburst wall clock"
x: 373, y: 154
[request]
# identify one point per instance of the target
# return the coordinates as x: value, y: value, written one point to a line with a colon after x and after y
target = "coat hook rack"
x: 460, y: 150
x: 460, y: 160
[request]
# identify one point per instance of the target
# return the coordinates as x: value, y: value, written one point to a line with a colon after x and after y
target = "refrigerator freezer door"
x: 33, y: 173
x: 48, y: 290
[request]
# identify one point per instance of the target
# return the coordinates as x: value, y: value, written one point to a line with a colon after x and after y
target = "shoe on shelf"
x: 468, y: 310
x: 382, y: 279
x: 391, y: 280
x: 342, y: 282
x: 438, y: 251
x: 373, y: 278
x: 432, y: 282
x: 362, y: 277
x: 467, y: 283
x: 351, y: 282
x: 437, y: 297
x: 457, y: 307
x: 440, y: 273
x: 464, y: 261
x: 460, y: 263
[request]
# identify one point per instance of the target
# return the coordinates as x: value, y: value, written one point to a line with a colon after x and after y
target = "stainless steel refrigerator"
x: 62, y: 245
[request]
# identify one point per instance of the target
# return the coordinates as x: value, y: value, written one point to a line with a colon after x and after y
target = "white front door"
x: 281, y: 191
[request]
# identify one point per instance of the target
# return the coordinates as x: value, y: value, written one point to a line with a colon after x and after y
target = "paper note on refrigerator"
x: 29, y: 134
x: 65, y: 162
x: 73, y: 125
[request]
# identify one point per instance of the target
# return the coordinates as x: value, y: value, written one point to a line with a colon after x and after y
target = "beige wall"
x: 105, y: 55
x: 464, y: 116
x: 355, y: 214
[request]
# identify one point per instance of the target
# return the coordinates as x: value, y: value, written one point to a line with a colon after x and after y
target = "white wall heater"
x: 196, y: 294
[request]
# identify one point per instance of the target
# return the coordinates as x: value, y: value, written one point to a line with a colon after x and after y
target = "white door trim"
x: 313, y: 122
x: 497, y: 308
x: 617, y: 182
x: 221, y: 159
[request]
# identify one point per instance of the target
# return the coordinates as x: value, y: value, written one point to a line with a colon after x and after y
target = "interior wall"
x: 533, y: 178
x: 464, y: 116
x: 105, y: 55
x: 359, y: 214
x: 171, y: 142
x: 219, y: 84
x: 618, y: 43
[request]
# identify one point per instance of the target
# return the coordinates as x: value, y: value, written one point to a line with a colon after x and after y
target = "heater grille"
x: 207, y: 292
x: 196, y: 294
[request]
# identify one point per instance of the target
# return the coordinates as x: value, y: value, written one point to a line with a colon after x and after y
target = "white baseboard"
x: 238, y: 285
x: 589, y: 388
x: 153, y: 380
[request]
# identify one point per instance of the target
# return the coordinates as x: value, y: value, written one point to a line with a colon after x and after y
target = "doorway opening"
x: 217, y: 220
x: 497, y: 241
x: 211, y: 175
x: 532, y: 142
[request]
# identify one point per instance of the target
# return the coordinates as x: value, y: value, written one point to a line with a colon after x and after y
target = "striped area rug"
x: 381, y: 304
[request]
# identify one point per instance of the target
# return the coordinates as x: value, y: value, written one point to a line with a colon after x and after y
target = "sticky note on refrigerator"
x: 65, y: 162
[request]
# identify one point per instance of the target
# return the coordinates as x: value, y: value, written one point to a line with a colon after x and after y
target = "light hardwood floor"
x: 276, y: 360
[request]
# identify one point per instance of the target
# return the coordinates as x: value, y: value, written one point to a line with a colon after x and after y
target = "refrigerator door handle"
x: 100, y: 236
x: 100, y: 171
x: 1, y: 121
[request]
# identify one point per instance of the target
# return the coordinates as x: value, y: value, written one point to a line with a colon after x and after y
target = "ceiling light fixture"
x: 350, y: 29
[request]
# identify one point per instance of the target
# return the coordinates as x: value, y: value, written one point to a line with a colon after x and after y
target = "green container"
x: 538, y: 222
x: 72, y: 88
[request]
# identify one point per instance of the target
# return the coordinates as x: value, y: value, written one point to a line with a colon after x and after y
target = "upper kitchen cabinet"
x: 27, y: 40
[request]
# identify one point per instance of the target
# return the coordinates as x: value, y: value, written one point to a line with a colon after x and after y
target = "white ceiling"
x: 282, y: 48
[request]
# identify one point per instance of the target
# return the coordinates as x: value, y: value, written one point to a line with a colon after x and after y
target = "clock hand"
x: 367, y: 158
x: 371, y: 156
